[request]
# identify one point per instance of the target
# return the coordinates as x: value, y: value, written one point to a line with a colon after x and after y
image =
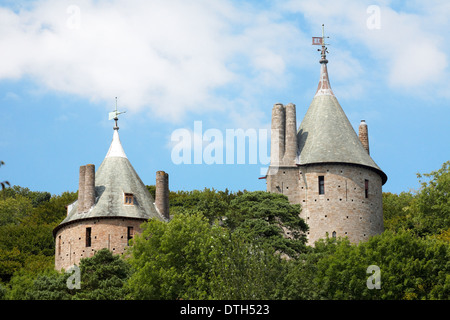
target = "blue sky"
x: 224, y: 63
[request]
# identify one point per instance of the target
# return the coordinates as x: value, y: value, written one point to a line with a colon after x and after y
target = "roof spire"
x: 324, y: 87
x: 114, y: 115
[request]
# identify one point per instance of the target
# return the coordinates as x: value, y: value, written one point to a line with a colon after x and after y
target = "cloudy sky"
x: 181, y: 65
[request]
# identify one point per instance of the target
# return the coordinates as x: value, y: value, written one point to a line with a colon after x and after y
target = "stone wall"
x: 343, y: 210
x: 111, y: 233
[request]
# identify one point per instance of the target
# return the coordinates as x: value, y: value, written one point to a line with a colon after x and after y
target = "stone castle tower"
x: 112, y: 204
x: 326, y: 168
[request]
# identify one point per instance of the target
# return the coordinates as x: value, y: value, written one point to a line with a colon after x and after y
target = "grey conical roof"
x: 326, y: 135
x: 115, y: 177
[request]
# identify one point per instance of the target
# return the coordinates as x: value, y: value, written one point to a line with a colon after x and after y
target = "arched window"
x: 334, y: 234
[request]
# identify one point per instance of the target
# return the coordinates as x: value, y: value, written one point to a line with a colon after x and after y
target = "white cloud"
x: 172, y: 58
x: 407, y: 45
x: 168, y: 56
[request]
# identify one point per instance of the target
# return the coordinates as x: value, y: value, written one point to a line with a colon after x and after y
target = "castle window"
x: 129, y: 233
x: 334, y: 234
x: 59, y: 245
x: 88, y: 237
x: 128, y: 198
x: 366, y: 188
x: 321, y: 185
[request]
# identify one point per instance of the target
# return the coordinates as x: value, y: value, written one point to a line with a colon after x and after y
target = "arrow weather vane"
x: 114, y: 114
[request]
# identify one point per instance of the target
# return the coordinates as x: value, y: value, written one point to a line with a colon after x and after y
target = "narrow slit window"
x: 129, y: 234
x: 366, y: 188
x: 88, y: 237
x: 59, y: 245
x: 321, y: 185
x: 128, y: 198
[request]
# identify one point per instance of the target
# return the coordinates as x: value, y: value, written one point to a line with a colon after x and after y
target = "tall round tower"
x: 336, y: 181
x: 340, y: 186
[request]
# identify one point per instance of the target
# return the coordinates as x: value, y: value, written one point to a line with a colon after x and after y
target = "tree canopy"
x: 242, y: 245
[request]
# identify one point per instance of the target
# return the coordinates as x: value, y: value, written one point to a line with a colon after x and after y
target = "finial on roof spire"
x: 113, y: 115
x: 321, y: 41
x: 324, y: 87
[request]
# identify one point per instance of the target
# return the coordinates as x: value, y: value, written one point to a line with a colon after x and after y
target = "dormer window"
x: 128, y: 199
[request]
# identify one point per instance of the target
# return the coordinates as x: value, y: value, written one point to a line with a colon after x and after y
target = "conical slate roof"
x: 326, y: 135
x: 114, y: 178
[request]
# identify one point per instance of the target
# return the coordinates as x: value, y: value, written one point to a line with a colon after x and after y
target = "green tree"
x: 431, y: 207
x: 411, y: 268
x: 268, y: 219
x: 3, y: 184
x: 244, y: 271
x: 27, y: 219
x: 14, y: 209
x: 103, y: 277
x: 211, y: 203
x: 396, y: 210
x: 173, y: 260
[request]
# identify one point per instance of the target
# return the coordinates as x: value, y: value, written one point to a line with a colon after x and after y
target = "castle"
x: 325, y: 167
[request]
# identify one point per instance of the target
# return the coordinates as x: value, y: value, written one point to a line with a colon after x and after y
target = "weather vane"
x: 114, y: 114
x: 321, y: 41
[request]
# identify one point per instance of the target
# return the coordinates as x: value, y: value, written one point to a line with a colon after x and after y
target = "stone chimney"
x: 364, y: 135
x: 162, y: 193
x: 86, y: 188
x: 81, y: 189
x: 89, y: 187
x: 277, y: 134
x: 290, y: 144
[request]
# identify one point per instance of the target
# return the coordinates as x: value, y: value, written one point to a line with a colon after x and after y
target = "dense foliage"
x: 244, y: 245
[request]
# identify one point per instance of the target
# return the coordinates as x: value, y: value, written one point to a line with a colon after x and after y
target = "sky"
x: 188, y: 73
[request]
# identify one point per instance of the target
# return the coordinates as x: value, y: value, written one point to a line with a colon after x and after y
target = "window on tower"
x: 321, y: 185
x: 129, y: 234
x: 366, y: 188
x: 88, y: 237
x: 128, y: 198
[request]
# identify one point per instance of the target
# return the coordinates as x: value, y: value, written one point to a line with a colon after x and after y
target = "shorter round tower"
x: 112, y: 204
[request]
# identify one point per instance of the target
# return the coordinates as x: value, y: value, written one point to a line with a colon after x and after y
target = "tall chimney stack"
x: 89, y: 187
x: 162, y: 193
x: 290, y: 145
x: 277, y: 134
x: 364, y: 135
x: 81, y: 189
